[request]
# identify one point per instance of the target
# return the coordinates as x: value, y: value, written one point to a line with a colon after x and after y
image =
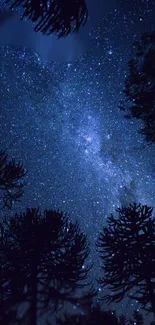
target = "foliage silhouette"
x: 98, y: 316
x: 11, y: 180
x: 41, y: 261
x: 137, y: 319
x: 139, y: 86
x: 71, y: 320
x: 122, y: 320
x: 55, y: 16
x: 126, y: 247
x: 95, y: 316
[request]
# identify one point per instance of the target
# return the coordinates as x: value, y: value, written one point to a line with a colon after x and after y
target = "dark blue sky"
x: 62, y: 120
x: 15, y: 32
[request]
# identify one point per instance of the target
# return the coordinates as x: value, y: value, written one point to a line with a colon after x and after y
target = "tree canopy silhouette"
x: 95, y: 316
x: 122, y: 320
x: 126, y: 247
x: 54, y: 16
x: 42, y: 257
x: 137, y: 319
x: 139, y: 86
x: 99, y: 316
x: 11, y: 180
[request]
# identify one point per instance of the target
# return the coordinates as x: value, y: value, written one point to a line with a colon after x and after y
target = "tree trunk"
x: 33, y: 298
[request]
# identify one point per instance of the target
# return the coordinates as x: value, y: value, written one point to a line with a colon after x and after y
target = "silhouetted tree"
x: 54, y: 16
x: 95, y: 316
x: 127, y: 250
x: 139, y: 87
x: 138, y: 318
x: 42, y: 258
x: 99, y: 316
x: 122, y: 320
x: 68, y: 319
x: 11, y: 180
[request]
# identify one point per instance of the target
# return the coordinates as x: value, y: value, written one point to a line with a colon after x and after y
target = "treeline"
x: 43, y: 255
x: 44, y: 260
x: 100, y: 317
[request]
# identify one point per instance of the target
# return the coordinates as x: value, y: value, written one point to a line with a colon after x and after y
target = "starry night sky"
x: 62, y: 120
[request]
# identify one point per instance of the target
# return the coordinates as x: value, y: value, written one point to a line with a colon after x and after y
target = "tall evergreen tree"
x: 127, y: 247
x: 42, y: 258
x: 53, y: 16
x: 11, y: 180
x: 139, y: 86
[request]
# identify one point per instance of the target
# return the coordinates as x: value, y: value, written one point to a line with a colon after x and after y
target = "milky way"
x: 63, y: 122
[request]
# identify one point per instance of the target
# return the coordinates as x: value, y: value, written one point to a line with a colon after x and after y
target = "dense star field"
x: 63, y: 122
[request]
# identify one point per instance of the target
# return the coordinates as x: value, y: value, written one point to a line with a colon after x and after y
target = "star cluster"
x: 63, y: 122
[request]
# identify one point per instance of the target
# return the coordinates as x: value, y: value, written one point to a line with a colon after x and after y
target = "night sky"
x: 61, y: 119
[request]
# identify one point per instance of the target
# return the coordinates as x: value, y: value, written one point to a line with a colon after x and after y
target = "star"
x: 62, y: 121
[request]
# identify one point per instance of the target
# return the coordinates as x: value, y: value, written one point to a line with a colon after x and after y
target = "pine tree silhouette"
x: 126, y: 247
x: 41, y: 262
x: 11, y: 180
x: 95, y: 316
x: 139, y: 86
x: 55, y: 16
